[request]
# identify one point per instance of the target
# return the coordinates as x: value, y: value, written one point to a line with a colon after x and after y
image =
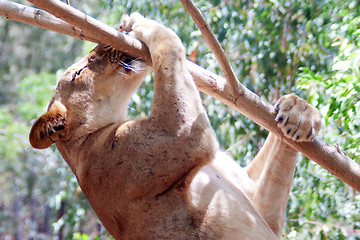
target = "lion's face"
x: 92, y: 93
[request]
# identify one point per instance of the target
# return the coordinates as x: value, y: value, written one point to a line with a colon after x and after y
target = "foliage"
x: 341, y: 110
x: 311, y: 48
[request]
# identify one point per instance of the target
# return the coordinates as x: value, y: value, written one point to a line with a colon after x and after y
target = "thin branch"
x: 245, y: 102
x: 214, y: 45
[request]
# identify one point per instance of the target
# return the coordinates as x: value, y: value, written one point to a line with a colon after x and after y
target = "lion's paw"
x: 297, y: 119
x: 128, y: 23
x: 138, y: 27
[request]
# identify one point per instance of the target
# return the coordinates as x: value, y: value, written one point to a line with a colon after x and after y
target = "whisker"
x: 120, y: 72
x: 117, y: 57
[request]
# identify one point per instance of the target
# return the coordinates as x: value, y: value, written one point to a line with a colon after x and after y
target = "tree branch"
x: 40, y: 18
x: 214, y: 45
x: 95, y: 29
x: 244, y: 101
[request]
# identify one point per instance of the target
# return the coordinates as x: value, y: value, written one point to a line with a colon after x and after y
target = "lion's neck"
x: 73, y: 148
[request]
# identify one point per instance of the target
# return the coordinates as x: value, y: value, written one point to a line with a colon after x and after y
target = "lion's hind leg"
x: 273, y: 168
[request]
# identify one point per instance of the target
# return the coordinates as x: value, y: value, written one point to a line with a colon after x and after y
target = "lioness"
x: 164, y: 176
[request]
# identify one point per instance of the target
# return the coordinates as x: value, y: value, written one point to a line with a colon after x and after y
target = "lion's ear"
x: 50, y: 127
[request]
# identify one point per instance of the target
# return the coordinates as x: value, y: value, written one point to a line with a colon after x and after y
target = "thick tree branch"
x: 40, y: 18
x: 94, y: 28
x: 243, y: 101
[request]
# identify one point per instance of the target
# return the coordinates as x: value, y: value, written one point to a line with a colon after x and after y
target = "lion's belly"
x: 168, y: 216
x: 214, y: 206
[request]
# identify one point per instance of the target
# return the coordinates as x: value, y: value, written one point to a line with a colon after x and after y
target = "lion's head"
x: 92, y: 93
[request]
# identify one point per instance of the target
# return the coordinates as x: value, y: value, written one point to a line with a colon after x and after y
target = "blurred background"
x: 311, y: 48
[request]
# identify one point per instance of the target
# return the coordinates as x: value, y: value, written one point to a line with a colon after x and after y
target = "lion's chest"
x: 119, y: 167
x: 138, y: 159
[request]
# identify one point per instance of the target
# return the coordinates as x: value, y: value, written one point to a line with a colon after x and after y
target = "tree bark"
x: 242, y: 99
x: 40, y: 18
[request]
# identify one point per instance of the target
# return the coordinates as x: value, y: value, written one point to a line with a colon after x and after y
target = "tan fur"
x: 163, y: 177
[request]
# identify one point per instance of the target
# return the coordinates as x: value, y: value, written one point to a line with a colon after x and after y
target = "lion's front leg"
x: 177, y: 103
x: 273, y: 168
x: 177, y: 112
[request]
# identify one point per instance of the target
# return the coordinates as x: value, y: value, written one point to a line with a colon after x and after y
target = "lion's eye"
x: 91, y: 59
x: 76, y: 74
